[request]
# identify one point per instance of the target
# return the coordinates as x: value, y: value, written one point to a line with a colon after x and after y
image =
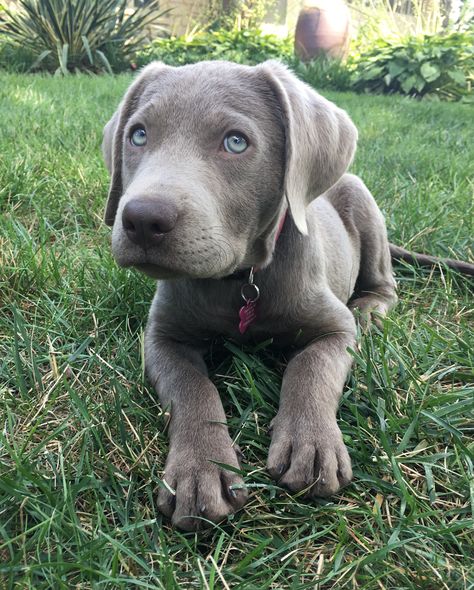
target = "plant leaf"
x: 88, y: 49
x: 408, y: 84
x: 63, y: 52
x: 105, y: 61
x: 395, y: 68
x: 430, y: 71
x: 457, y: 76
x: 40, y: 58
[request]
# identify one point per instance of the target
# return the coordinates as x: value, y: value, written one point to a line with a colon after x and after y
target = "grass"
x: 83, y: 442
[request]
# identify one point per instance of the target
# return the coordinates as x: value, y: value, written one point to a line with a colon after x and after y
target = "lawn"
x: 83, y: 441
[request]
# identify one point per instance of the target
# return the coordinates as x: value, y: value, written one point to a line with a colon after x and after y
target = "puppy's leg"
x: 307, y: 450
x: 375, y: 291
x: 196, y: 487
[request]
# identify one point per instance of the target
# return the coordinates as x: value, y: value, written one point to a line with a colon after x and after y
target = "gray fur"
x: 332, y: 252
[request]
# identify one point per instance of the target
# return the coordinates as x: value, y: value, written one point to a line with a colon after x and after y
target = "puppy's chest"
x: 226, y: 313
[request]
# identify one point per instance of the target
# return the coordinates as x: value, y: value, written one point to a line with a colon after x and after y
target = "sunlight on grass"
x: 30, y: 97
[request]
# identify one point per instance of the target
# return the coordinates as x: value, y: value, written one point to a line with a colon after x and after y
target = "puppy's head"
x: 204, y: 159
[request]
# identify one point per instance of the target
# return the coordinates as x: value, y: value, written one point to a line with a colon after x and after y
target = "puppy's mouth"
x: 156, y: 271
x: 174, y: 259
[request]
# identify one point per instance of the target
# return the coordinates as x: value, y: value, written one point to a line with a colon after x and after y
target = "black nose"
x: 147, y: 220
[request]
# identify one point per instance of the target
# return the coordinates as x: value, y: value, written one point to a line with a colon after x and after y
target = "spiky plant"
x: 68, y: 35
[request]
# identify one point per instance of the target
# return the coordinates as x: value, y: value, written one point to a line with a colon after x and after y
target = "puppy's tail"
x: 398, y: 253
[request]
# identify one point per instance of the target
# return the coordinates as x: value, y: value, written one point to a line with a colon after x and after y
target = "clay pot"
x: 323, y: 28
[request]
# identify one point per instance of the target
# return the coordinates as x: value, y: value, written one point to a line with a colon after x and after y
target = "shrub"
x: 324, y: 72
x: 65, y: 35
x: 245, y: 47
x: 15, y: 57
x: 241, y: 14
x: 441, y: 65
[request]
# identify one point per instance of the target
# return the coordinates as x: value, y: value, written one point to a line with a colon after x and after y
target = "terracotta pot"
x: 323, y: 29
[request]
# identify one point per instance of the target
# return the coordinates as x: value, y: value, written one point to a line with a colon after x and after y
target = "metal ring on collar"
x: 250, y: 292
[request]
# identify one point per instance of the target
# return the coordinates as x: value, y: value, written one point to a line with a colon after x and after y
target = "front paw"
x: 196, y: 490
x: 308, y: 455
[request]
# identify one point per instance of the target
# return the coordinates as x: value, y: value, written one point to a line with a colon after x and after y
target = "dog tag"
x: 248, y: 312
x: 247, y: 315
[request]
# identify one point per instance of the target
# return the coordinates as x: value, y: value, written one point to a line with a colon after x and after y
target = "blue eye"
x: 138, y: 137
x: 234, y: 143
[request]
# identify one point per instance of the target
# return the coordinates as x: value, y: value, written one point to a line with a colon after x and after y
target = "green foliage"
x: 237, y: 14
x: 324, y: 72
x: 441, y: 65
x: 435, y: 65
x: 15, y: 57
x: 245, y: 47
x: 65, y: 35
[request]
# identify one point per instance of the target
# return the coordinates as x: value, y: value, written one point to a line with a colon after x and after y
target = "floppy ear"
x: 108, y: 139
x: 320, y: 140
x: 112, y: 143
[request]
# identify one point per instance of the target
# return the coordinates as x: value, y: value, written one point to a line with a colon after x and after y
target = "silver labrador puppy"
x: 220, y: 172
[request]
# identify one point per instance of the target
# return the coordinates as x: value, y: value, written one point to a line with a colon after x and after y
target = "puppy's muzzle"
x: 146, y: 220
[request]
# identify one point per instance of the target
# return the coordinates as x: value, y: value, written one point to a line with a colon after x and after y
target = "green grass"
x: 82, y: 438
